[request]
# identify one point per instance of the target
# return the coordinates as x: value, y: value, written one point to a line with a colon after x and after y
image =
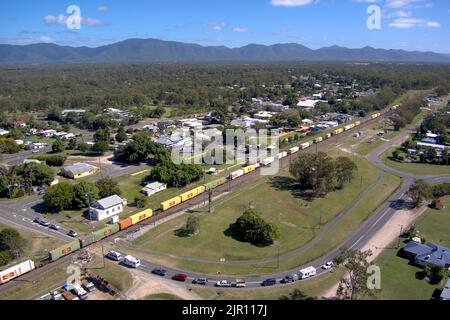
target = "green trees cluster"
x: 321, y: 173
x: 12, y: 245
x: 67, y: 196
x: 23, y: 178
x: 250, y: 227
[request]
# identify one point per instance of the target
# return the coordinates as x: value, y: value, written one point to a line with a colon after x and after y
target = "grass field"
x: 398, y: 277
x: 279, y: 206
x: 311, y: 288
x: 416, y: 168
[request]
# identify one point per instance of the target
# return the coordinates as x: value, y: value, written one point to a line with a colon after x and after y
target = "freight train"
x: 69, y: 248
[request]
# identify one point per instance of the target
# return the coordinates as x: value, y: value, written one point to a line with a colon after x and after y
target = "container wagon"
x: 236, y: 174
x: 214, y: 184
x: 16, y: 271
x: 294, y: 150
x: 166, y: 205
x: 141, y: 216
x: 64, y: 250
x: 106, y: 232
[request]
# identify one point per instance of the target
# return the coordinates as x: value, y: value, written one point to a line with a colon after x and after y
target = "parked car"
x: 269, y: 282
x: 159, y: 272
x: 328, y: 265
x: 54, y: 226
x: 72, y: 233
x: 113, y: 255
x: 180, y: 277
x: 200, y: 281
x: 223, y: 283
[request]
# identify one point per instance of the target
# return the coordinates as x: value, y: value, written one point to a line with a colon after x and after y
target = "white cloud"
x: 217, y: 26
x: 291, y: 3
x: 102, y: 9
x: 240, y: 29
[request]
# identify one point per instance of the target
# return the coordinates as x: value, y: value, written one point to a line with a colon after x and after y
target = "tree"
x: 58, y: 146
x: 192, y: 225
x: 107, y: 187
x: 59, y: 197
x: 354, y: 286
x: 84, y: 194
x: 11, y: 241
x: 252, y: 228
x: 101, y: 146
x: 140, y: 201
x: 345, y: 168
x: 419, y: 192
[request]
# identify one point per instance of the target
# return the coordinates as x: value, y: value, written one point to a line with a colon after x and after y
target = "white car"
x: 328, y: 265
x: 223, y: 283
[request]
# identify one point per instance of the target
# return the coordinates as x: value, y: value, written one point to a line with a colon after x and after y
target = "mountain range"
x: 159, y: 51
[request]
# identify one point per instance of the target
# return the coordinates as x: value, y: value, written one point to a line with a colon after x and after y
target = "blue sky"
x: 405, y: 24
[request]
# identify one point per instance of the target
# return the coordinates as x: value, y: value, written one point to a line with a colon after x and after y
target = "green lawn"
x: 416, y: 168
x: 298, y: 225
x: 398, y: 277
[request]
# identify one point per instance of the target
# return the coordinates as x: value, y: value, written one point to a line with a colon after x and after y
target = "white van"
x: 307, y: 273
x: 131, y: 262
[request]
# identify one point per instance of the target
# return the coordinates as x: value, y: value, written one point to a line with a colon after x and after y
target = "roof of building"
x: 80, y: 168
x: 109, y: 202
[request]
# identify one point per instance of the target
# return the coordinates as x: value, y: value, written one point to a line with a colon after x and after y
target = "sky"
x: 422, y: 25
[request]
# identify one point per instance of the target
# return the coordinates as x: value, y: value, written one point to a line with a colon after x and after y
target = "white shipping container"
x: 237, y: 174
x: 268, y: 161
x: 16, y: 271
x: 307, y: 272
x: 294, y: 150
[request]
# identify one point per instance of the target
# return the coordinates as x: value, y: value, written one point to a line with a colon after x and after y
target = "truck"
x: 307, y: 273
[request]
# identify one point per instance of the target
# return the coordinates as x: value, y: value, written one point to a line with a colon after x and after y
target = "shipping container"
x: 86, y: 240
x: 294, y: 150
x: 249, y: 169
x: 236, y: 174
x: 304, y: 145
x: 268, y: 161
x: 106, y: 232
x: 64, y: 250
x: 318, y: 140
x: 192, y: 193
x: 170, y: 203
x: 214, y: 184
x: 125, y: 224
x: 141, y: 216
x: 16, y: 271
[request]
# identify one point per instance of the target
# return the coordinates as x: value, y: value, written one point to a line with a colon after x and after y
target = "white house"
x: 106, y: 208
x: 153, y: 188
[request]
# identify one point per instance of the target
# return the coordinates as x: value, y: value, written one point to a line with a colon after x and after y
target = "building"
x: 427, y: 254
x: 445, y: 295
x: 79, y: 170
x: 153, y: 188
x: 106, y: 208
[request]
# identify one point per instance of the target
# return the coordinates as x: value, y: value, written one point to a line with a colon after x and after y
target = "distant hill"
x: 153, y: 50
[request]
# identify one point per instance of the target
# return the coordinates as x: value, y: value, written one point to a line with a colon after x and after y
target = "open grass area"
x: 161, y: 296
x: 416, y: 168
x: 398, y: 277
x: 311, y: 288
x: 30, y: 290
x: 299, y: 225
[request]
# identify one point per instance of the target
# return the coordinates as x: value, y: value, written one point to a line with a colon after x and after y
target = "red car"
x: 180, y: 277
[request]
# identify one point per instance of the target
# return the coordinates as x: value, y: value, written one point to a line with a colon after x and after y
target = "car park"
x: 159, y: 272
x: 269, y: 282
x: 200, y: 281
x: 113, y: 255
x: 72, y: 233
x: 180, y: 277
x: 223, y: 284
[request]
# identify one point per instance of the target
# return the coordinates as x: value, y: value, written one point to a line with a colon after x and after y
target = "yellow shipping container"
x: 249, y: 169
x: 141, y: 216
x: 170, y: 203
x: 192, y: 194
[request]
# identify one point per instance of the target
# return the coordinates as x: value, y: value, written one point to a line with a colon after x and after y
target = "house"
x: 445, y: 295
x: 153, y: 188
x: 79, y: 170
x: 106, y: 208
x: 427, y: 254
